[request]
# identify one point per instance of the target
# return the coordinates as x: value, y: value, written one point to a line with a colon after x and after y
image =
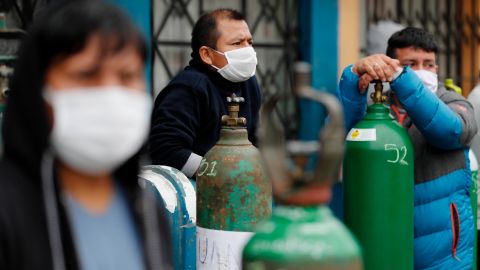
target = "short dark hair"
x: 411, y: 37
x: 205, y: 32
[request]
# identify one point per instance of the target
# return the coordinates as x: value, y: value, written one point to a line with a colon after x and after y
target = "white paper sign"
x: 220, y: 250
x: 362, y: 134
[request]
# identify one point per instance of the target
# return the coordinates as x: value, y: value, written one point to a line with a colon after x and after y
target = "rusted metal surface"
x: 233, y: 191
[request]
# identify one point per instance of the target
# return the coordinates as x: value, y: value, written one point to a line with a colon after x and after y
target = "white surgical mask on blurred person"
x: 429, y: 79
x: 242, y: 64
x: 96, y: 129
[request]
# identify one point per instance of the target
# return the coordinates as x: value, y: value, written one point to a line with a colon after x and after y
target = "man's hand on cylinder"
x: 375, y: 67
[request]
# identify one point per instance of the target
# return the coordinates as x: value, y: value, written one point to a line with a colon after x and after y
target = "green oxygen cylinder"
x: 302, y: 233
x: 378, y: 188
x: 474, y: 201
x: 233, y: 194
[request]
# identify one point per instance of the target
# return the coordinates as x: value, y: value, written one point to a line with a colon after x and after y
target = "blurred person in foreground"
x: 441, y: 126
x: 187, y: 113
x: 74, y: 124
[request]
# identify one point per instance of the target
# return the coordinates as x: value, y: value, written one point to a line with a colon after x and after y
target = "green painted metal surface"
x: 233, y: 192
x: 302, y: 238
x: 474, y: 202
x: 378, y: 190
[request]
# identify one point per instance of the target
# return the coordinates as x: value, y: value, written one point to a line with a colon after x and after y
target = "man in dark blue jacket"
x: 187, y: 115
x: 441, y: 126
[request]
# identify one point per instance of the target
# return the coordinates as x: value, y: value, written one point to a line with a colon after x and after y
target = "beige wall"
x: 470, y: 51
x: 349, y: 33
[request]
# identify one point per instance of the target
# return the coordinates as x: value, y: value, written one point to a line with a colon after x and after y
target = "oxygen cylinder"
x: 233, y: 195
x: 175, y: 193
x: 302, y: 233
x: 378, y: 188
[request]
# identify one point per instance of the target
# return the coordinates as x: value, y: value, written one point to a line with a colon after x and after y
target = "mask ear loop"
x: 217, y: 51
x: 215, y: 67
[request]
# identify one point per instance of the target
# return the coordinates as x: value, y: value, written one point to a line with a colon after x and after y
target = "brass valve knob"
x: 378, y: 96
x: 232, y: 119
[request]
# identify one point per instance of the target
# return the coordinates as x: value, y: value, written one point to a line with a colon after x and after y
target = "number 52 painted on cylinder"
x: 400, y: 153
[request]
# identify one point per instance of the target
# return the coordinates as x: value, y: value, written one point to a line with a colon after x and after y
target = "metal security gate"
x: 455, y: 25
x: 272, y: 24
x: 18, y: 15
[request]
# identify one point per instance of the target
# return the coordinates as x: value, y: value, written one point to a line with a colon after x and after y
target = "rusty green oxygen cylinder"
x: 302, y: 233
x: 233, y: 194
x: 378, y: 188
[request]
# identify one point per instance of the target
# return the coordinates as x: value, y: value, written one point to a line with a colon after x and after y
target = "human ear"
x: 206, y: 55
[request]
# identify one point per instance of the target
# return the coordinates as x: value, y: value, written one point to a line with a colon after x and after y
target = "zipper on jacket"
x: 51, y: 211
x: 455, y: 229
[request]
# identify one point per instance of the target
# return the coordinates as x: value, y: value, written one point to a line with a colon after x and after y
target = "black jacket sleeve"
x: 255, y: 103
x: 175, y: 121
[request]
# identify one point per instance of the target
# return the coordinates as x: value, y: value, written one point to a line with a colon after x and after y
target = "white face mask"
x: 429, y: 79
x: 96, y: 129
x: 242, y: 64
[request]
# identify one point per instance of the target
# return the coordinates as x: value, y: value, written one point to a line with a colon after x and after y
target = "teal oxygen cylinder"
x: 378, y: 188
x: 176, y: 194
x: 302, y: 233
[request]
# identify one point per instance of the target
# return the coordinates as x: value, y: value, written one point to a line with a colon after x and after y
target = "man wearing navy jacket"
x: 186, y: 119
